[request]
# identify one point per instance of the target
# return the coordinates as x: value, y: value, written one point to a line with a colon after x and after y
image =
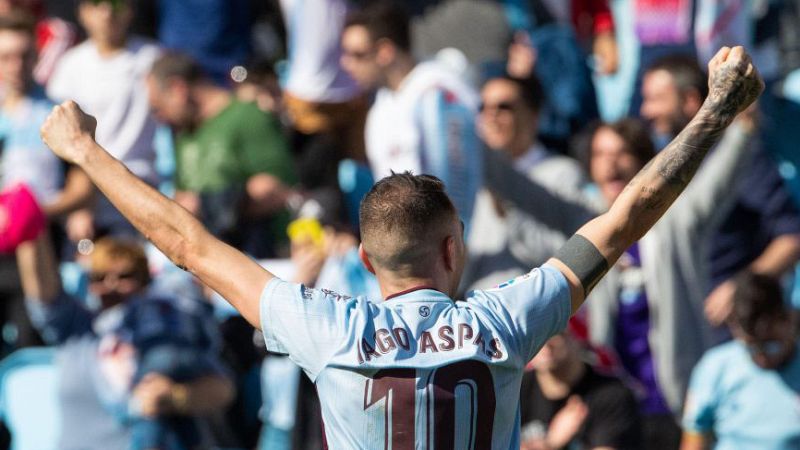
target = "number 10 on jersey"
x: 466, y: 384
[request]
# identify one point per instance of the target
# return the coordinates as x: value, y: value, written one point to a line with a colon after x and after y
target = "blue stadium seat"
x: 29, y: 399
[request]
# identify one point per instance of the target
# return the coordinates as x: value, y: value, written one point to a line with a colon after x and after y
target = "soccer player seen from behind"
x: 418, y: 370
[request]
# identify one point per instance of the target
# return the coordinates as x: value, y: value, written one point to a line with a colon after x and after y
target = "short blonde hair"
x: 108, y: 251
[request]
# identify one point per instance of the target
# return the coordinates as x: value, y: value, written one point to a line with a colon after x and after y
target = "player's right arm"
x: 69, y: 132
x: 734, y: 83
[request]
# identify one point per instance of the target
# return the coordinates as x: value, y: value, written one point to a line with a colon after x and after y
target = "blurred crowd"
x: 270, y: 119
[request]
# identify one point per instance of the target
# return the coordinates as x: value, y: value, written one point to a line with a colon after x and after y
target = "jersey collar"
x: 414, y: 289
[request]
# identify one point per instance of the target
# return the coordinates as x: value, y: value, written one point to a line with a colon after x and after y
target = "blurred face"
x: 555, y: 353
x: 505, y: 123
x: 772, y: 348
x: 17, y: 57
x: 106, y: 22
x: 114, y: 283
x: 661, y: 103
x: 612, y: 165
x: 359, y: 57
x: 169, y: 101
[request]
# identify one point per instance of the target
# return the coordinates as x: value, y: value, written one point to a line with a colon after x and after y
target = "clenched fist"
x: 733, y: 81
x: 66, y: 128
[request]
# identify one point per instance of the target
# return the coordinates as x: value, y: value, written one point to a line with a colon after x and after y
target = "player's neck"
x: 395, y: 287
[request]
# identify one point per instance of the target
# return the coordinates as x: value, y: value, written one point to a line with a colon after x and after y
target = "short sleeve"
x: 701, y: 399
x: 309, y: 325
x: 530, y: 308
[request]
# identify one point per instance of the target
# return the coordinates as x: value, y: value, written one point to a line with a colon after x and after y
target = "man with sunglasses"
x: 507, y: 123
x: 136, y: 363
x: 423, y: 116
x: 747, y: 392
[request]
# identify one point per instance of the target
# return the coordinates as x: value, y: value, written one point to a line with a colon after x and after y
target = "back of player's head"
x: 384, y: 19
x: 685, y: 71
x: 403, y: 220
x: 173, y: 65
x: 757, y: 304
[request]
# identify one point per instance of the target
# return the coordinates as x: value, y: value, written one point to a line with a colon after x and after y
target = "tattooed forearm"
x: 731, y: 89
x: 680, y: 160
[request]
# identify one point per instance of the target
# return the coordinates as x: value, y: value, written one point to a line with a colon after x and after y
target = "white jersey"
x: 418, y: 371
x: 427, y: 126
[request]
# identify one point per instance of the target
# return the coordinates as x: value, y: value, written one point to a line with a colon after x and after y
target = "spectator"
x: 25, y: 159
x: 134, y: 374
x: 106, y: 73
x: 649, y: 306
x: 54, y: 36
x: 423, y: 116
x: 762, y: 231
x: 746, y: 391
x: 548, y: 48
x: 507, y: 123
x: 232, y: 165
x: 566, y: 403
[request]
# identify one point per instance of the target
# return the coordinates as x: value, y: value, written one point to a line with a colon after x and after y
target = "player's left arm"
x: 734, y: 83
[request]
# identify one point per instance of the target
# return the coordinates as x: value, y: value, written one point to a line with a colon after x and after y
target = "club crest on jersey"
x: 424, y: 311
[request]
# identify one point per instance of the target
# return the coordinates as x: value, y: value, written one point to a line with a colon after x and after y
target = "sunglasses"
x: 501, y: 106
x: 101, y: 277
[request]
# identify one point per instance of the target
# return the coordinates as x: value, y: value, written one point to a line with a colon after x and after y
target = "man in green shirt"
x: 233, y: 167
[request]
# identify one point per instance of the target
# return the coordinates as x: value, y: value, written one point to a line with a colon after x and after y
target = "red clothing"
x: 591, y: 18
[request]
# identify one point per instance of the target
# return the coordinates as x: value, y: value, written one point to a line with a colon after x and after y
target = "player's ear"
x: 449, y: 253
x: 365, y: 259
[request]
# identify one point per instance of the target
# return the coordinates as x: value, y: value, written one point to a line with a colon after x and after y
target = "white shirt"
x: 113, y: 90
x: 428, y: 126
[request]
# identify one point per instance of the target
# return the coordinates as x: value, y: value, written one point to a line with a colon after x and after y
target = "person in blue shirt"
x: 419, y: 368
x: 746, y: 393
x: 134, y: 371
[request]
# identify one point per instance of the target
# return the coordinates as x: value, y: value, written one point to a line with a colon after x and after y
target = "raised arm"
x: 734, y: 83
x: 69, y: 132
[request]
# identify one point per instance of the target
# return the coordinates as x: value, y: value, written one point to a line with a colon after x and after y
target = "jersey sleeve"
x: 701, y: 398
x: 309, y: 325
x: 530, y: 308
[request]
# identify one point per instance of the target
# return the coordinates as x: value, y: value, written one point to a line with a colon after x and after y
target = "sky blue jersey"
x: 418, y: 371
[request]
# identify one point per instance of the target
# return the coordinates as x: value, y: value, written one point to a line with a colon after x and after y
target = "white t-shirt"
x: 314, y: 29
x: 427, y: 126
x: 417, y: 370
x: 113, y: 90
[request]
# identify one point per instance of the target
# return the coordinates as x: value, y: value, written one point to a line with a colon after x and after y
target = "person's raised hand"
x: 733, y: 82
x: 65, y: 129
